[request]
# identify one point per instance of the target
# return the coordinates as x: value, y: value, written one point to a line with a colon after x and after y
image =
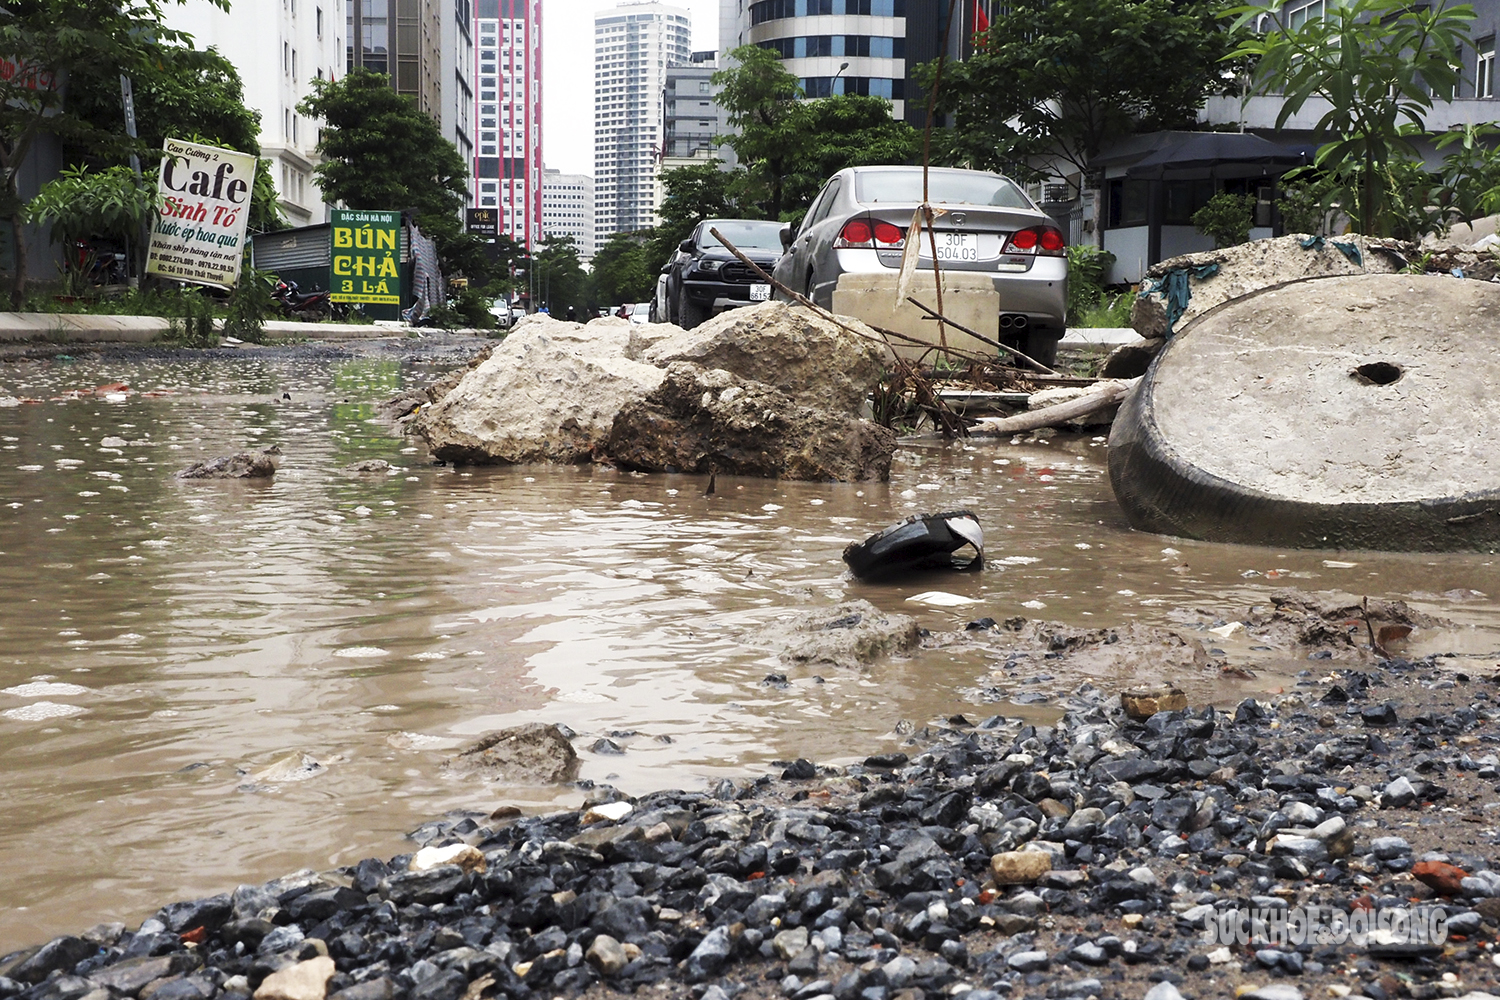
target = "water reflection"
x: 162, y: 641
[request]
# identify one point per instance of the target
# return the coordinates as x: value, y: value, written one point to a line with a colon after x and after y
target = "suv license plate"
x: 760, y: 292
x: 952, y: 246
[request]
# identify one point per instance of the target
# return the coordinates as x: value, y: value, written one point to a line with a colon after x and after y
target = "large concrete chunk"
x: 1351, y: 412
x: 1255, y: 266
x: 815, y: 361
x: 710, y: 421
x: 549, y: 393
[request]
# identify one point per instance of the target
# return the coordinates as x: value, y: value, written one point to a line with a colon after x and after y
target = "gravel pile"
x: 998, y: 859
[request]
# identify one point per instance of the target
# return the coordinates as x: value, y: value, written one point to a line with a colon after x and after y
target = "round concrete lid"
x: 1367, y: 389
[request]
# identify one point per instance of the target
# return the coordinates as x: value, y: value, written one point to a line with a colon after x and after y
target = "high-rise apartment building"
x: 279, y: 48
x: 508, y: 113
x: 568, y: 209
x: 848, y: 46
x: 402, y: 38
x: 634, y: 46
x: 691, y: 116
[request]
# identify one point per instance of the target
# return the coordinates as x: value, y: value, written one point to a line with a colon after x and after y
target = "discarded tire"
x: 1347, y: 412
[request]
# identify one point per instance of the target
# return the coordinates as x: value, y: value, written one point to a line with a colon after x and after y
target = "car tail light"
x: 856, y: 233
x: 889, y: 236
x: 1046, y: 241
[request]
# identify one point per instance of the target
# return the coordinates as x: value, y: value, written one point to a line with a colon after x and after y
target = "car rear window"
x: 905, y: 187
x: 747, y: 235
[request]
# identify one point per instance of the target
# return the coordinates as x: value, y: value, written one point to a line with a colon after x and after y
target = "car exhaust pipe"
x: 1013, y: 321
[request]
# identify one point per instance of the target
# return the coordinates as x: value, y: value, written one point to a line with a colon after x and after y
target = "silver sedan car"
x: 858, y: 224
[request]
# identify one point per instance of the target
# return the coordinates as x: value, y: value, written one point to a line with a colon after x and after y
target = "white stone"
x: 304, y: 981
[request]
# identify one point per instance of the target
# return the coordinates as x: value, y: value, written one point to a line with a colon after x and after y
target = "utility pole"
x: 127, y: 100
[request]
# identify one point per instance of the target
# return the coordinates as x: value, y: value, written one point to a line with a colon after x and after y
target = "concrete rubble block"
x: 813, y: 360
x: 968, y: 299
x: 1255, y: 266
x: 711, y: 421
x: 1144, y: 702
x: 303, y: 981
x: 548, y: 393
x: 533, y: 753
x: 468, y: 858
x: 1020, y: 867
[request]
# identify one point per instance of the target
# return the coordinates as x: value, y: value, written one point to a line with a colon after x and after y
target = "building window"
x: 320, y: 22
x: 1484, y: 69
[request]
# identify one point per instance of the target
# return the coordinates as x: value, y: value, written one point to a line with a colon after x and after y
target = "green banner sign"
x: 366, y: 257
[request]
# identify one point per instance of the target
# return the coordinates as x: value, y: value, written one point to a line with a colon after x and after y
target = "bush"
x: 250, y: 305
x: 190, y: 314
x: 1227, y: 218
x: 1087, y: 268
x: 1304, y: 207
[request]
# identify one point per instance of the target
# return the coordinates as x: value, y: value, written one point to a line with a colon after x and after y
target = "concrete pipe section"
x: 1353, y: 412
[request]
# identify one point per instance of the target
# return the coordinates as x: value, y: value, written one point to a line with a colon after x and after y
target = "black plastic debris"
x: 921, y: 543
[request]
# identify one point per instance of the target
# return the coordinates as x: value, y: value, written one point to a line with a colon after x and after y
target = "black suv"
x: 705, y: 278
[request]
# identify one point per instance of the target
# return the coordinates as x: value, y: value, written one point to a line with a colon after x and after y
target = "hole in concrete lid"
x: 1377, y: 373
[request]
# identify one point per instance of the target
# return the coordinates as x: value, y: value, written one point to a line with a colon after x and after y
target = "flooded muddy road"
x: 170, y: 650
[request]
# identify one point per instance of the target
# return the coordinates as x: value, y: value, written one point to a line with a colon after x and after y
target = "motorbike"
x: 98, y: 264
x: 299, y: 304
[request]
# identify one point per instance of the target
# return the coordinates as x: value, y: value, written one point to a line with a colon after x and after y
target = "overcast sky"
x: 568, y: 74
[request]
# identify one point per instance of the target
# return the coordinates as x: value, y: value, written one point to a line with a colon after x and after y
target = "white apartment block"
x: 634, y: 46
x: 279, y: 48
x: 568, y: 209
x: 508, y: 112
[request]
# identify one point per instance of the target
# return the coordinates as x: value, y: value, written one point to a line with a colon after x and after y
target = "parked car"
x: 858, y: 225
x: 640, y: 312
x: 704, y: 278
x: 659, y: 311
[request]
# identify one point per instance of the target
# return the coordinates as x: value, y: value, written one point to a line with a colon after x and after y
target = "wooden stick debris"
x: 1100, y: 397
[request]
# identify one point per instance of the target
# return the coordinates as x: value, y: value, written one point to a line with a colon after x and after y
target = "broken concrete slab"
x: 548, y: 393
x: 1350, y: 412
x: 1258, y: 265
x: 815, y: 361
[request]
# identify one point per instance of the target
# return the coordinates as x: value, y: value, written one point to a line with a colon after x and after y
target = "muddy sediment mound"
x: 853, y: 634
x: 1336, y: 621
x: 709, y: 420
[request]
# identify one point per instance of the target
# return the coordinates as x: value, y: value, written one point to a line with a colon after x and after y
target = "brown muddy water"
x: 164, y: 642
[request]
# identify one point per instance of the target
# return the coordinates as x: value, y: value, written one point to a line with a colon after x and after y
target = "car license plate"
x: 952, y: 246
x: 760, y: 292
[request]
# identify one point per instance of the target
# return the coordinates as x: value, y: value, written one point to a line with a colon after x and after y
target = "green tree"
x: 1380, y: 65
x: 788, y: 145
x: 79, y: 205
x: 381, y: 152
x: 49, y: 41
x: 690, y: 195
x: 620, y: 273
x: 184, y: 94
x: 1065, y: 77
x: 559, y: 279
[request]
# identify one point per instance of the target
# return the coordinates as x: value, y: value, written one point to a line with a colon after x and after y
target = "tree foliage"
x: 789, y: 146
x: 1065, y: 77
x: 79, y: 205
x: 1380, y: 65
x: 690, y: 195
x: 52, y: 40
x: 559, y: 280
x: 381, y: 152
x: 620, y: 269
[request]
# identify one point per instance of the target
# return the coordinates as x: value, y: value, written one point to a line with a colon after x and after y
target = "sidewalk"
x: 78, y: 328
